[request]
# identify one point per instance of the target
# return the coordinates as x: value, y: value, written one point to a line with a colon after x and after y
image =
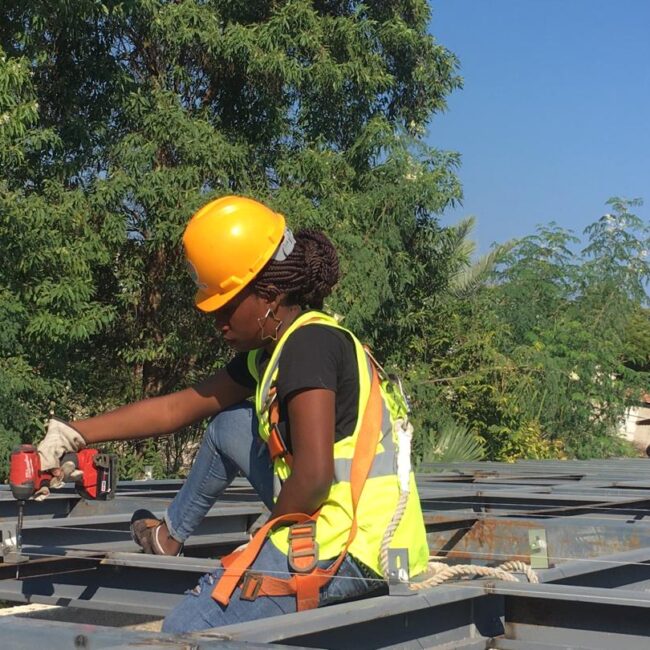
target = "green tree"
x: 435, y: 336
x: 153, y: 108
x: 48, y: 311
x: 636, y: 340
x: 537, y: 363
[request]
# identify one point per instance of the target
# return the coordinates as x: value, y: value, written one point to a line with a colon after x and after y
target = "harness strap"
x: 275, y: 443
x: 305, y: 583
x: 237, y: 562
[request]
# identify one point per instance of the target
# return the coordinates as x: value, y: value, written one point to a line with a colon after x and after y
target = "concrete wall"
x: 632, y: 430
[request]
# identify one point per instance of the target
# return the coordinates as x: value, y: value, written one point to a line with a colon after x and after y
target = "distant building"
x: 636, y: 427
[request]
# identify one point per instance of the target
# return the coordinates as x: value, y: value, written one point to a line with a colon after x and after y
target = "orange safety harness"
x: 308, y: 578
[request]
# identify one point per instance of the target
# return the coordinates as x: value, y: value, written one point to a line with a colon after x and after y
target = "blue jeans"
x: 231, y: 443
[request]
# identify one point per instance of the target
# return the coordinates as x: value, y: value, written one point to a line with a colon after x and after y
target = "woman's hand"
x: 60, y: 439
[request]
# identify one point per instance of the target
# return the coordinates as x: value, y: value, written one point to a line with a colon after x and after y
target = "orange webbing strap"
x: 236, y: 563
x: 306, y: 586
x: 303, y: 547
x: 275, y: 443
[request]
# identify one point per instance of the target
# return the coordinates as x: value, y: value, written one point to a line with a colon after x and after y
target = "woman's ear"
x: 278, y: 298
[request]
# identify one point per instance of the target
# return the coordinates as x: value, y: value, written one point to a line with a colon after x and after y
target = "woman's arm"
x: 312, y: 422
x: 161, y: 415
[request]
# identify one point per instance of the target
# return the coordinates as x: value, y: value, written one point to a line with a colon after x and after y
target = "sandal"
x: 145, y: 531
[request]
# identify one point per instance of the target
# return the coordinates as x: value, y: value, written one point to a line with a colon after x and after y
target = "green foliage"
x: 118, y: 119
x: 452, y: 443
x: 48, y: 310
x: 636, y: 340
x: 538, y: 362
x: 581, y: 345
x: 139, y: 461
x: 127, y: 116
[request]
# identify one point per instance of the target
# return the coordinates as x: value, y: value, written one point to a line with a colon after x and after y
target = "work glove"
x: 60, y: 439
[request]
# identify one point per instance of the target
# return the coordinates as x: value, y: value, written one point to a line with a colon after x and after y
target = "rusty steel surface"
x: 490, y: 539
x: 487, y: 513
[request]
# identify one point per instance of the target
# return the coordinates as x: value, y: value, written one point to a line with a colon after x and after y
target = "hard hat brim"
x: 207, y: 303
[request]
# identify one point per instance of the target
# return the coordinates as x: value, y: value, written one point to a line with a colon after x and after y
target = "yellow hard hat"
x: 227, y: 242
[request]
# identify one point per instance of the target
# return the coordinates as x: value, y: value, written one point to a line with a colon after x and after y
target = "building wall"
x: 632, y: 430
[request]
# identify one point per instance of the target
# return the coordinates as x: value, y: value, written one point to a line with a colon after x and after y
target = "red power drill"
x: 26, y: 479
x: 98, y: 480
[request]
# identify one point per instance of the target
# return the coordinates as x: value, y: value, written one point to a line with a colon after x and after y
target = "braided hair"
x: 306, y: 276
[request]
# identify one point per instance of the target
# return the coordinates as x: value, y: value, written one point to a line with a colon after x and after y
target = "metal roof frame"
x: 587, y: 521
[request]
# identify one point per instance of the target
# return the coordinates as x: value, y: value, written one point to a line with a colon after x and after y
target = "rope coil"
x: 439, y: 572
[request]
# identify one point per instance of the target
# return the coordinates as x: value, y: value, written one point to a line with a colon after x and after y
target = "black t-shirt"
x: 314, y: 356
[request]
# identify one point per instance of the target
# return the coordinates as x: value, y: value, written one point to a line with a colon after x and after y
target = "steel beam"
x: 559, y: 616
x: 500, y: 615
x: 21, y: 633
x: 491, y: 539
x: 453, y: 617
x: 593, y: 521
x: 107, y: 587
x: 129, y: 495
x: 225, y: 525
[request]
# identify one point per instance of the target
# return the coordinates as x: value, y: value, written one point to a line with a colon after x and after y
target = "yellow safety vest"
x: 381, y: 492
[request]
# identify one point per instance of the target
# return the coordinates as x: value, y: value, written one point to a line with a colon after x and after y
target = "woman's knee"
x: 231, y: 427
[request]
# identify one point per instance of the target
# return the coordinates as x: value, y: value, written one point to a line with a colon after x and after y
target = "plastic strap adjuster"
x: 251, y: 585
x: 298, y: 535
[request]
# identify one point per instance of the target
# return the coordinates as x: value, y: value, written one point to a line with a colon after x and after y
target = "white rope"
x: 390, y: 531
x: 438, y: 572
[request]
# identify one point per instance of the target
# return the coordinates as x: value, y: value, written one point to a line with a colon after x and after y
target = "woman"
x: 320, y: 439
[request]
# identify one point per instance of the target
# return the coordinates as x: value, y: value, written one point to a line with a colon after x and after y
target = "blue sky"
x: 554, y: 117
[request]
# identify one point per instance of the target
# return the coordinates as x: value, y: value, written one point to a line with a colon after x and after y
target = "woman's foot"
x: 152, y: 534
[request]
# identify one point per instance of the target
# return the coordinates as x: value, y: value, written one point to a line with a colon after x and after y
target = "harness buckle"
x: 251, y: 585
x: 302, y: 546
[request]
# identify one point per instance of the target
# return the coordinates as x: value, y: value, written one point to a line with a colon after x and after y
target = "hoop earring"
x: 262, y: 323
